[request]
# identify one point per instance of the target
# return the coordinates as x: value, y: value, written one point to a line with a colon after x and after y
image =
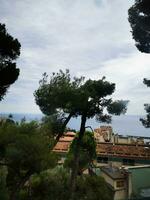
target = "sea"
x: 122, y: 125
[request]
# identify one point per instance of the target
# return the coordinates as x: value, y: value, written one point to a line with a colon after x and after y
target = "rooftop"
x: 110, y: 149
x: 113, y: 172
x: 62, y: 147
x: 123, y: 150
x: 107, y: 149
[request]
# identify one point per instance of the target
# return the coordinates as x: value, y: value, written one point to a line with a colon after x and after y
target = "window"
x: 120, y: 184
x: 128, y: 162
x: 102, y: 159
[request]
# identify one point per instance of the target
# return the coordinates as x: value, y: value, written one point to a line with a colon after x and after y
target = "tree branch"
x: 63, y: 128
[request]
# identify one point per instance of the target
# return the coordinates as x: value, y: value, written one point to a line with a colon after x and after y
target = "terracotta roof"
x: 108, y: 149
x: 66, y: 138
x: 62, y: 146
x: 71, y: 134
x: 131, y: 151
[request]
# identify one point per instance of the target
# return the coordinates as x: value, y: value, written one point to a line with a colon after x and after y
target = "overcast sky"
x: 90, y: 37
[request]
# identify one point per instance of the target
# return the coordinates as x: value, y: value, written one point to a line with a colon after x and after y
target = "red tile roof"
x: 108, y: 149
x: 62, y: 146
x: 118, y: 150
x: 70, y: 134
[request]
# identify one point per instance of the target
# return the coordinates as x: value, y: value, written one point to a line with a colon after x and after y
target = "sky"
x: 91, y: 38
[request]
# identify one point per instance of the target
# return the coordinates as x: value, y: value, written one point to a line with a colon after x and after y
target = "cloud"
x: 128, y: 73
x: 89, y: 37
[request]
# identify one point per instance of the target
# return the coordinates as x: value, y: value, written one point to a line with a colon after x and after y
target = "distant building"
x: 105, y: 134
x: 112, y: 148
x: 121, y: 150
x: 123, y: 161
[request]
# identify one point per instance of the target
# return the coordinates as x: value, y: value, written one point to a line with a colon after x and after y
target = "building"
x: 105, y: 134
x: 128, y: 183
x: 123, y: 161
x: 112, y: 148
x: 116, y: 180
x: 121, y: 150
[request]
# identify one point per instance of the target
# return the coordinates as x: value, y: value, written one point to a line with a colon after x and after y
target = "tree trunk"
x: 63, y: 129
x: 75, y: 168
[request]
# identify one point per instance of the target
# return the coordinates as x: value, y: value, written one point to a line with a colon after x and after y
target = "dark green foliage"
x: 146, y: 82
x: 92, y: 188
x: 3, y: 188
x: 9, y: 51
x: 117, y: 107
x: 76, y: 97
x: 54, y: 185
x: 87, y: 152
x: 24, y: 152
x: 92, y: 97
x: 139, y: 18
x: 146, y: 121
x: 50, y: 185
x: 9, y: 47
x: 58, y: 93
x: 59, y: 97
x: 52, y: 124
